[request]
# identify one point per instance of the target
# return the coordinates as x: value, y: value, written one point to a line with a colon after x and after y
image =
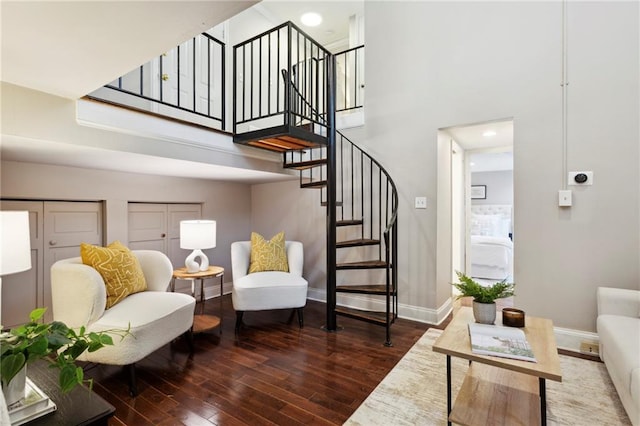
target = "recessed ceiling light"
x: 311, y: 19
x: 489, y: 133
x: 472, y: 163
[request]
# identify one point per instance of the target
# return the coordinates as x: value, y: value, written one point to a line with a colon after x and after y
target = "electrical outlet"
x: 589, y: 348
x: 421, y: 202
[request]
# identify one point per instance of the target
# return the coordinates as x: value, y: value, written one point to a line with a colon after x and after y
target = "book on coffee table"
x: 499, y: 341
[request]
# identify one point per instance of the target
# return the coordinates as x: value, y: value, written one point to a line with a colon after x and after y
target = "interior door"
x: 156, y: 226
x: 66, y: 226
x: 176, y: 213
x: 148, y: 226
x: 24, y: 291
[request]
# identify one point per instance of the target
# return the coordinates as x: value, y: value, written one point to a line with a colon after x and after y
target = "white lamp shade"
x: 197, y: 234
x: 15, y: 243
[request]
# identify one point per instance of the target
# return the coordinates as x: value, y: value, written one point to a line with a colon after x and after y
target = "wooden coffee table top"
x: 455, y: 341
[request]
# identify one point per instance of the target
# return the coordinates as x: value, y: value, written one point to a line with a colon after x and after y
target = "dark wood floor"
x: 273, y: 373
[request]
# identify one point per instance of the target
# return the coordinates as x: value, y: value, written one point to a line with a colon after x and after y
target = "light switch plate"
x: 421, y: 202
x: 564, y: 198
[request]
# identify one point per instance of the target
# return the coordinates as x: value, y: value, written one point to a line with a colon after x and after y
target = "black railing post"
x: 331, y: 324
x: 287, y: 88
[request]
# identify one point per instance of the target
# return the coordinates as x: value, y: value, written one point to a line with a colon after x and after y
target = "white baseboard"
x: 566, y: 338
x: 570, y: 340
x: 409, y: 312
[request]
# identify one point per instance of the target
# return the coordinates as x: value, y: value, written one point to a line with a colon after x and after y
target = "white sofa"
x: 155, y: 316
x: 618, y: 327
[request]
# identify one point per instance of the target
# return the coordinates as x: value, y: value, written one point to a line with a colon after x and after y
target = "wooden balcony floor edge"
x: 272, y: 373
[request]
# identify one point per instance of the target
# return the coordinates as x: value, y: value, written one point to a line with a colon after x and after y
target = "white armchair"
x: 155, y: 316
x: 269, y: 289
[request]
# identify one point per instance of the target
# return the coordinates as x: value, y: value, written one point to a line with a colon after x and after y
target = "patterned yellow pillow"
x: 118, y: 267
x: 268, y: 255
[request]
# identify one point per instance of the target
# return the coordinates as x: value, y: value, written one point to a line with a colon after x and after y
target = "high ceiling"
x: 50, y: 46
x: 71, y: 48
x: 335, y: 14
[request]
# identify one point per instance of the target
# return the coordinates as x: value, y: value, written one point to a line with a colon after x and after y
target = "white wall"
x: 503, y: 60
x: 228, y: 203
x: 499, y: 186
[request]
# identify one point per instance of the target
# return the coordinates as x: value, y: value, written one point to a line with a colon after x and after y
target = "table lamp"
x: 15, y: 245
x: 197, y: 235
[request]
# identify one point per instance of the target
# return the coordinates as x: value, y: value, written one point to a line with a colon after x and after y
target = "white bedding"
x: 491, y: 257
x: 491, y: 251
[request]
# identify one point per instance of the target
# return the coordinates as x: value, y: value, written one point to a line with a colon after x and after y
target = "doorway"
x: 482, y: 200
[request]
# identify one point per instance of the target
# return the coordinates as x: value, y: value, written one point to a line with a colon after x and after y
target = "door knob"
x: 53, y: 242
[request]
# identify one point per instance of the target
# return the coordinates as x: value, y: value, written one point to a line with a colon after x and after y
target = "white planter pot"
x: 484, y: 313
x: 14, y: 391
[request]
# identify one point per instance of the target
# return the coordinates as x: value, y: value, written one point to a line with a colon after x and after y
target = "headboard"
x: 503, y: 211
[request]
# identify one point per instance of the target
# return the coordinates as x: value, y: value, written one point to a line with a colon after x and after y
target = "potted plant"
x: 37, y: 340
x: 484, y: 297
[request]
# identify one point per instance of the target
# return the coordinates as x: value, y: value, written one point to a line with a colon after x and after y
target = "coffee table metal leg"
x: 543, y: 402
x: 448, y: 389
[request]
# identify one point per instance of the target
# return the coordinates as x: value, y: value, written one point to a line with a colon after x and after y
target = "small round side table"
x: 201, y: 322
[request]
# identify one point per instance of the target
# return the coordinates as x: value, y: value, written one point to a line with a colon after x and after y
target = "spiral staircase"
x: 284, y: 95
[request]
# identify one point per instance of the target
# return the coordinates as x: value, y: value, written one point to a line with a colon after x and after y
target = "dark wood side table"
x: 78, y: 407
x: 201, y: 321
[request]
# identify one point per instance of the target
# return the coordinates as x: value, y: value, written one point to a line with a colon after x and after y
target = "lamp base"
x: 192, y: 265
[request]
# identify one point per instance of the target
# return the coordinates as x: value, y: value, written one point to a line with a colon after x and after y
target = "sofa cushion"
x: 118, y: 267
x: 635, y: 385
x: 154, y: 318
x: 269, y: 290
x: 620, y: 341
x: 268, y: 255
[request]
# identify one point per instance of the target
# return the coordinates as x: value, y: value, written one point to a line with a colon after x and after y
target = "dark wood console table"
x: 78, y: 407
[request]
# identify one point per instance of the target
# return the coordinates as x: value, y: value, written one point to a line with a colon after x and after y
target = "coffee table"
x: 500, y: 391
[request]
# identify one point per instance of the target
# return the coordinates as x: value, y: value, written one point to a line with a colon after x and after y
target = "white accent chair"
x: 267, y: 290
x: 155, y: 316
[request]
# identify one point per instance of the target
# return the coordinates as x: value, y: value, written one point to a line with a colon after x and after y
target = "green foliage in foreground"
x: 36, y: 340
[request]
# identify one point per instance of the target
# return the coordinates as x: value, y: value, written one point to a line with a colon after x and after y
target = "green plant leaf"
x: 68, y: 377
x: 10, y: 365
x: 38, y: 348
x: 36, y: 314
x: 76, y: 349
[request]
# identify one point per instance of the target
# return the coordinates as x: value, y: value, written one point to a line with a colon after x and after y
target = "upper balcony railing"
x: 350, y: 79
x: 265, y: 67
x: 186, y: 83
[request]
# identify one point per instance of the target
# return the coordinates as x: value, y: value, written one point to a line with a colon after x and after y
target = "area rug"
x: 414, y: 392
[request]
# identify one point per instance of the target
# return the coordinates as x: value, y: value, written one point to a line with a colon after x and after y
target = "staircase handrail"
x: 394, y: 193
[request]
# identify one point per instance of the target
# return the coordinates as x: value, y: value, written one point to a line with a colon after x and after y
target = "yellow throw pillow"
x: 268, y: 255
x: 119, y: 268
